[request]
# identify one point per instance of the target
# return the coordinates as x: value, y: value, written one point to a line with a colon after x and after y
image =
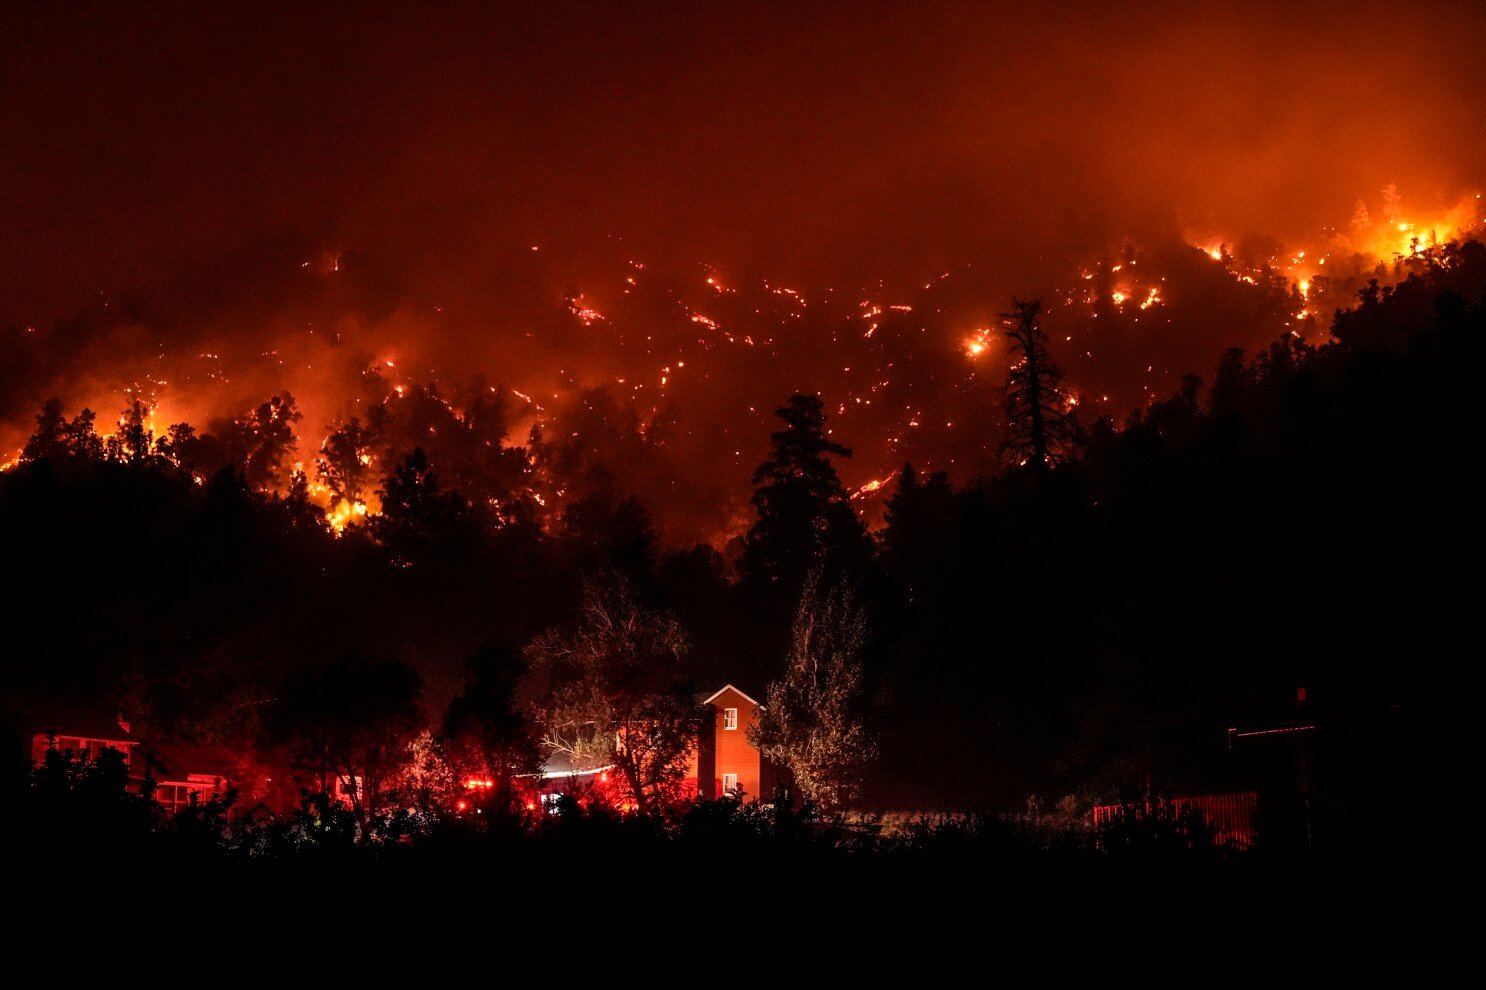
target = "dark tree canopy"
x: 488, y: 733
x: 418, y: 515
x: 805, y: 517
x: 352, y: 723
x: 49, y: 442
x: 57, y: 439
x: 264, y: 439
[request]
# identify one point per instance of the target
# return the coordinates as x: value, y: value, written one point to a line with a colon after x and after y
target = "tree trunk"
x: 1034, y: 387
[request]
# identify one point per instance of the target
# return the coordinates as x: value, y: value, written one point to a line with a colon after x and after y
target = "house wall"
x: 730, y: 751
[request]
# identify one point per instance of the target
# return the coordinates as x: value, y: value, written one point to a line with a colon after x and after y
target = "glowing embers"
x: 585, y: 313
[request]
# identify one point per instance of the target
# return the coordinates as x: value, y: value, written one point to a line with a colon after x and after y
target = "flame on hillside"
x: 888, y: 356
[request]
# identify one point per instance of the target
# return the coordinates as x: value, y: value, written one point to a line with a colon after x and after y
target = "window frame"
x: 730, y: 720
x: 726, y: 788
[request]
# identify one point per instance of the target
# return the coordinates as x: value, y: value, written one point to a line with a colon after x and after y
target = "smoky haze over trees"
x: 171, y: 254
x: 1190, y: 567
x: 415, y: 401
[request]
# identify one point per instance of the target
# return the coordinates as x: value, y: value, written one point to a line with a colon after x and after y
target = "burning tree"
x: 264, y: 438
x: 811, y: 721
x: 619, y: 695
x: 1039, y: 430
x: 180, y: 446
x: 134, y: 441
x: 344, y: 466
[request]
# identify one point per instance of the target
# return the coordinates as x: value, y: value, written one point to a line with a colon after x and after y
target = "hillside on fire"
x: 1280, y: 541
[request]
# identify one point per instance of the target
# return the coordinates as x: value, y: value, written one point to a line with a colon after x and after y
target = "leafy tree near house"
x: 811, y: 719
x: 352, y: 723
x: 487, y: 735
x: 619, y: 694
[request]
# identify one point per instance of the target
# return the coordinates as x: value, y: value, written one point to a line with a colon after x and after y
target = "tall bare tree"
x: 1040, y: 433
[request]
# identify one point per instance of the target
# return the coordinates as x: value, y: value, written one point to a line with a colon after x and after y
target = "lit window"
x: 729, y: 783
x: 730, y: 718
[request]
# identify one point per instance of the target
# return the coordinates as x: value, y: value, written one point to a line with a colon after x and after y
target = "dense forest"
x: 1294, y: 519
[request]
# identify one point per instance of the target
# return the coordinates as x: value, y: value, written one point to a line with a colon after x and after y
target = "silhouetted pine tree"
x: 417, y: 514
x: 1040, y: 433
x: 49, y: 442
x: 805, y: 518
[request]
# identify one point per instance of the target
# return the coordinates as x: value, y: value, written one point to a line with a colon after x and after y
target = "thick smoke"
x: 212, y: 207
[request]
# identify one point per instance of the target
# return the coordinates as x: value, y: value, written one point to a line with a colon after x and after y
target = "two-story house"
x: 726, y: 762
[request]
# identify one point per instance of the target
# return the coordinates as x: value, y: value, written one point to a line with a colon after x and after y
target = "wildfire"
x: 978, y: 342
x: 875, y: 485
x: 1396, y: 237
x: 1322, y: 276
x: 345, y: 514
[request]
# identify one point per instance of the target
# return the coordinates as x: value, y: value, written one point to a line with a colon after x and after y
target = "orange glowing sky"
x: 697, y: 210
